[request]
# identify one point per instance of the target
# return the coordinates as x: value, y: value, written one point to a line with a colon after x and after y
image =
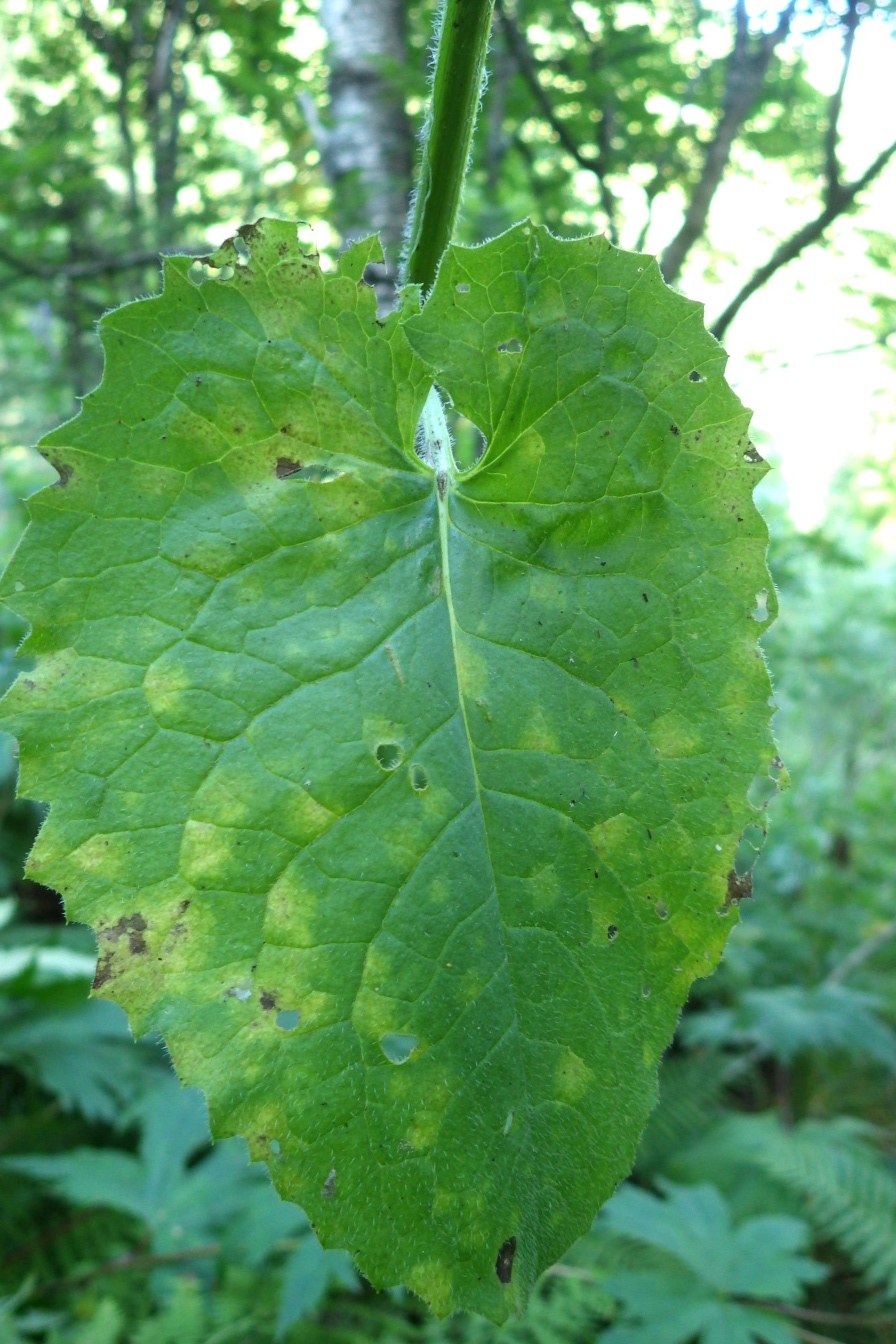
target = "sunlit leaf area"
x: 751, y: 149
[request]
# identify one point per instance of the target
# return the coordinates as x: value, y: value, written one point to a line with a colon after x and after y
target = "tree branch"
x: 125, y: 1263
x: 528, y: 67
x: 819, y: 1317
x: 840, y: 200
x: 832, y: 164
x: 859, y: 955
x: 136, y: 1261
x: 744, y: 79
x: 161, y: 97
x: 837, y: 196
x: 82, y: 270
x: 120, y: 54
x: 812, y: 1338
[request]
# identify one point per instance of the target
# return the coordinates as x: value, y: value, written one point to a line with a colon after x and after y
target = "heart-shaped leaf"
x: 404, y: 801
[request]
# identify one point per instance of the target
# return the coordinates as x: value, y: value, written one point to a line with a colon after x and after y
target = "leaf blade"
x: 378, y: 780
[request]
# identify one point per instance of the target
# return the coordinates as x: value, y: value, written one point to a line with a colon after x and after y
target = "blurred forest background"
x: 753, y: 147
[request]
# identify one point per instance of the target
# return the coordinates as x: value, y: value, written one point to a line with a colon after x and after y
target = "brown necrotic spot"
x: 268, y: 1001
x: 504, y: 1262
x: 133, y: 927
x: 65, y: 472
x: 740, y: 887
x: 103, y: 972
x: 285, y: 465
x: 136, y: 942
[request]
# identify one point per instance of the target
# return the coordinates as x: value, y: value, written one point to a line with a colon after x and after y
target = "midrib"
x: 437, y: 453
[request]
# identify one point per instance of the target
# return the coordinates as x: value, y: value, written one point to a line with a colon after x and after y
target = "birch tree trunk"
x: 367, y: 146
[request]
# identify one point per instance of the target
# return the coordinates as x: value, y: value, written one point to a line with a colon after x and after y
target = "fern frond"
x: 849, y: 1188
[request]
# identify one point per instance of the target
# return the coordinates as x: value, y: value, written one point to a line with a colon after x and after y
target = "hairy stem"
x: 457, y: 85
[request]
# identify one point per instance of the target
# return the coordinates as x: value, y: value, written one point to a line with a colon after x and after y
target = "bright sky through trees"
x: 814, y: 408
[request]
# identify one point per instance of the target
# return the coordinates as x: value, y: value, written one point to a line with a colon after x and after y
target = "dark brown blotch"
x: 103, y: 972
x: 65, y: 470
x: 286, y: 467
x: 132, y: 927
x: 740, y: 888
x: 504, y: 1262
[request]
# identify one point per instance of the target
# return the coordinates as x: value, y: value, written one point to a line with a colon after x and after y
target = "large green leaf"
x: 404, y: 802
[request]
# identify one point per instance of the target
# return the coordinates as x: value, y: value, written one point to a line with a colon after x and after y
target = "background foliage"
x: 763, y: 1204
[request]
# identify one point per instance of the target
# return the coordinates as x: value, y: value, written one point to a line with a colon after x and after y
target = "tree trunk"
x: 367, y: 146
x: 747, y: 68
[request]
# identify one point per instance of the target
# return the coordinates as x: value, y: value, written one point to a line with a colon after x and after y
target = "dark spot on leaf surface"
x: 504, y: 1262
x: 103, y: 973
x: 740, y: 888
x: 285, y: 466
x: 132, y: 927
x: 65, y: 472
x: 267, y: 1000
x: 135, y: 924
x: 675, y: 429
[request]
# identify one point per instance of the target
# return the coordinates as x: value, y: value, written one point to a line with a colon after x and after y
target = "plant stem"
x: 457, y: 85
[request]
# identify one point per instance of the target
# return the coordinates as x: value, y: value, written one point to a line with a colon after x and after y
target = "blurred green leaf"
x: 715, y: 1268
x: 787, y: 1020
